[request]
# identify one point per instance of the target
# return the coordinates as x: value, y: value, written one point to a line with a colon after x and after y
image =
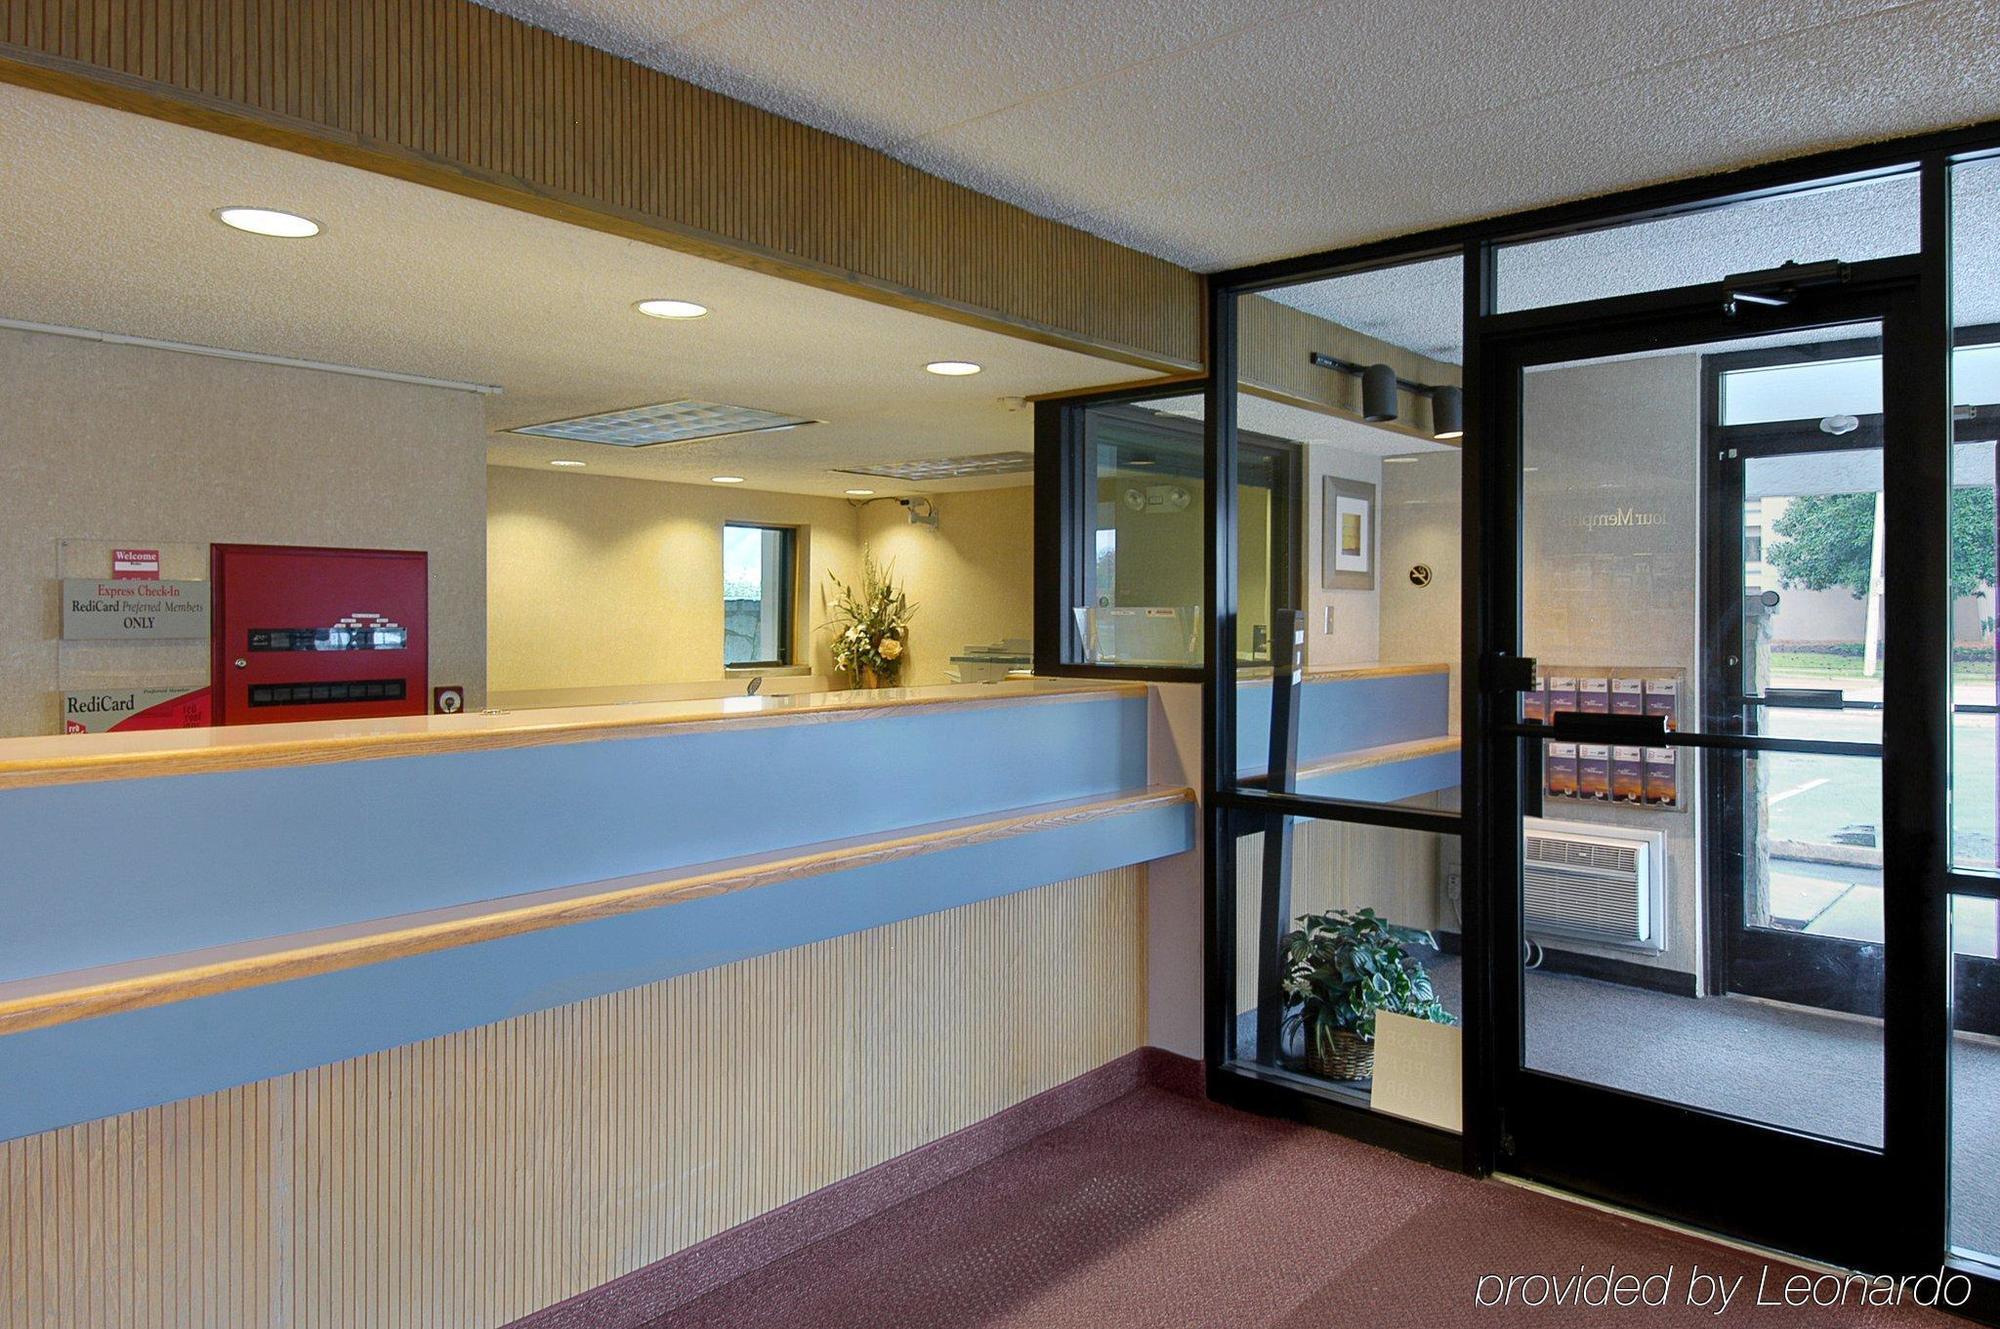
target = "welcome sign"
x: 133, y: 610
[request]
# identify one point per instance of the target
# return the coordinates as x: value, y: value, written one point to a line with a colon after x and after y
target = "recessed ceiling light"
x: 268, y: 221
x: 952, y: 368
x: 670, y: 308
x: 566, y: 462
x: 726, y: 479
x: 859, y: 493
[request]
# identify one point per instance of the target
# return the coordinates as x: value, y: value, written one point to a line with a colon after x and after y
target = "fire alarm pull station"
x: 318, y: 634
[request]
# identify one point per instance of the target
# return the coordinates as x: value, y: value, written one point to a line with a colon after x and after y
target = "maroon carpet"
x: 1160, y: 1210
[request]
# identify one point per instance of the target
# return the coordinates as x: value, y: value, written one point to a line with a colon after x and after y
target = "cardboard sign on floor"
x: 1419, y: 1073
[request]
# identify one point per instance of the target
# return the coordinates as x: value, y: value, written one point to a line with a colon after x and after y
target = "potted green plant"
x: 870, y: 625
x: 1341, y: 970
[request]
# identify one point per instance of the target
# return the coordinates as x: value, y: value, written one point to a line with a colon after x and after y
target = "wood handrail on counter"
x: 79, y: 758
x: 53, y: 999
x: 1360, y: 759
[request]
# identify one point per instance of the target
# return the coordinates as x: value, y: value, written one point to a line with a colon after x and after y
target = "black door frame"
x: 1831, y: 973
x: 1486, y: 764
x: 1780, y: 1187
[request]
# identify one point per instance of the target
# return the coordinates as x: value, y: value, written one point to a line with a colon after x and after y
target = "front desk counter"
x: 194, y: 909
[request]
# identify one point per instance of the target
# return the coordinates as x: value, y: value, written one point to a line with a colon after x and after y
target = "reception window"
x: 1128, y: 500
x: 759, y: 569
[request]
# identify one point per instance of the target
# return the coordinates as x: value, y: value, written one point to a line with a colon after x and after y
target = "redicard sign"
x: 119, y: 609
x: 135, y: 708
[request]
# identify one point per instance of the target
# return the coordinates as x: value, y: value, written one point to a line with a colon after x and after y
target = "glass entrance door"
x: 1702, y: 824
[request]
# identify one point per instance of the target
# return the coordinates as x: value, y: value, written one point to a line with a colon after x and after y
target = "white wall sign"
x: 114, y: 610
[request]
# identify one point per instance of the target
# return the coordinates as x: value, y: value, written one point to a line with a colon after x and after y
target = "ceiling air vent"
x: 948, y: 468
x: 664, y: 422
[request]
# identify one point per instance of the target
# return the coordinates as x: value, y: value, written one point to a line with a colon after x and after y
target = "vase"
x: 869, y: 678
x: 1349, y: 1057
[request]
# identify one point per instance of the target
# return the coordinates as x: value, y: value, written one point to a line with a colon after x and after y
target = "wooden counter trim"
x: 1387, y: 754
x: 1361, y: 759
x: 253, y: 754
x: 1338, y: 673
x: 1373, y: 671
x: 54, y: 999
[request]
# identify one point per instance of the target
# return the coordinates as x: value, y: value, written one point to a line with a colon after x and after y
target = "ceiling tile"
x: 629, y: 28
x: 1821, y: 88
x: 865, y: 70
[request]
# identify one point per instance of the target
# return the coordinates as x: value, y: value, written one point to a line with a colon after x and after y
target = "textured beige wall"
x: 599, y: 582
x: 972, y: 577
x: 103, y: 444
x: 463, y: 1181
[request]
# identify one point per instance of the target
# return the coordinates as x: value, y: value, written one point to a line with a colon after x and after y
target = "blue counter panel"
x: 1390, y: 782
x: 1343, y: 715
x: 119, y: 1063
x: 102, y: 872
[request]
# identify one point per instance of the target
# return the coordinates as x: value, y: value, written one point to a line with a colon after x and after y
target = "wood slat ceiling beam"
x: 450, y: 95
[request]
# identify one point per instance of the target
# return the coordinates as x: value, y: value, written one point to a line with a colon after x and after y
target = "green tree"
x: 1823, y: 541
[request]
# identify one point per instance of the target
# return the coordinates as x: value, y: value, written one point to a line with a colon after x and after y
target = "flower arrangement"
x: 870, y: 621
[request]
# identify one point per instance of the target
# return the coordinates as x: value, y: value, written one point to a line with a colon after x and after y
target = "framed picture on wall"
x: 1347, y: 559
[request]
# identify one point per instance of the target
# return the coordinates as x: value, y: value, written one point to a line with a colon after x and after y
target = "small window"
x: 757, y: 580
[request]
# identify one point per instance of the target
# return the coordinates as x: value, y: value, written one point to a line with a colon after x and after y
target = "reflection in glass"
x: 1141, y: 602
x: 1975, y: 1076
x: 1975, y: 392
x: 756, y: 595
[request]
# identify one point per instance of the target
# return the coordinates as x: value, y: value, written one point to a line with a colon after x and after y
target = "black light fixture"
x: 1447, y: 412
x: 1379, y: 404
x: 1378, y: 394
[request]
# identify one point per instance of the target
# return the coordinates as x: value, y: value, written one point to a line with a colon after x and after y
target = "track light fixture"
x: 1379, y: 401
x: 1378, y: 394
x: 1447, y: 412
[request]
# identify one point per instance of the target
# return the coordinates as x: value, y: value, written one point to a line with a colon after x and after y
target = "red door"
x: 318, y: 634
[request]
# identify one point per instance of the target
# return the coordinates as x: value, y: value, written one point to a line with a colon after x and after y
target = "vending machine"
x: 318, y: 634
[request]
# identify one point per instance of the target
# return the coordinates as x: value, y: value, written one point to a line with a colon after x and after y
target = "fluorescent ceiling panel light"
x: 952, y: 368
x: 725, y: 479
x: 664, y: 422
x: 859, y: 493
x: 949, y: 468
x: 568, y: 463
x: 268, y: 221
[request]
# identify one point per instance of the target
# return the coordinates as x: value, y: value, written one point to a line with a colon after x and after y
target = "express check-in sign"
x: 133, y: 610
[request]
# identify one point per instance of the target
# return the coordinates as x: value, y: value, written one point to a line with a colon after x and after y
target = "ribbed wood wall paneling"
x: 468, y: 1180
x: 449, y: 94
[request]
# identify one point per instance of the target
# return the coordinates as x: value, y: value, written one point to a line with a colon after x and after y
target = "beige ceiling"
x: 1218, y: 132
x: 107, y: 226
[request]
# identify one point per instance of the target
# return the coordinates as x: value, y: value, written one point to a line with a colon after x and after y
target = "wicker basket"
x: 1343, y: 1056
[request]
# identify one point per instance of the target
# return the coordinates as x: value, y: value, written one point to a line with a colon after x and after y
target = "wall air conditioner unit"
x: 1596, y: 883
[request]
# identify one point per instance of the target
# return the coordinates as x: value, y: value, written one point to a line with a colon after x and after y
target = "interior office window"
x: 758, y: 572
x: 1137, y: 598
x: 1848, y: 220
